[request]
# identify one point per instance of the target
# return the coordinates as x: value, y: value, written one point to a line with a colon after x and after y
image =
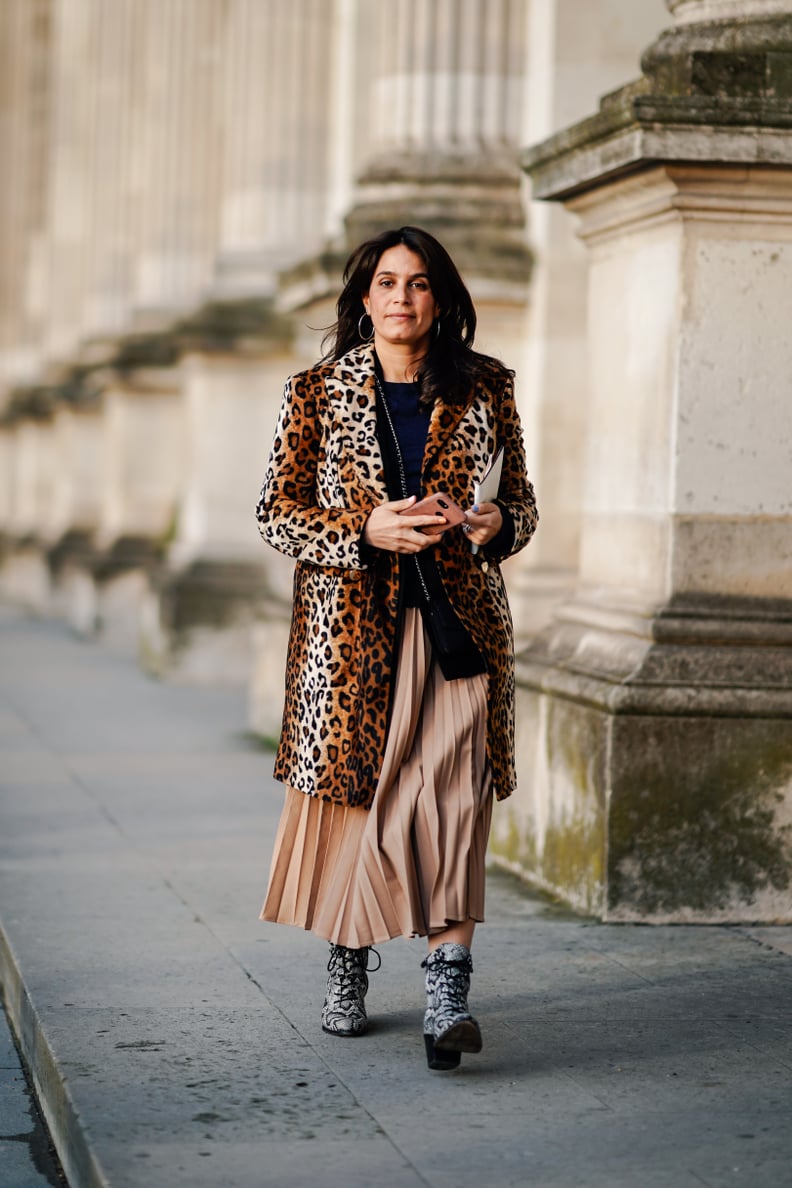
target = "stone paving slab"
x: 175, y: 1039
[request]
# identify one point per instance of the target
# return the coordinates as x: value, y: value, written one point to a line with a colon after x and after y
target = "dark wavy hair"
x: 451, y: 367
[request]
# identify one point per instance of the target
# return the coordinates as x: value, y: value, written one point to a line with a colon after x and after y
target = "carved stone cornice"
x: 718, y: 91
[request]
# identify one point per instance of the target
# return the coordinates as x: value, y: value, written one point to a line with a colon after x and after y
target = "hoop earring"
x: 437, y: 329
x: 365, y: 337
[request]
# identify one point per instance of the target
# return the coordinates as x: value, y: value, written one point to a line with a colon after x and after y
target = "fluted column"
x: 177, y: 153
x: 446, y: 119
x: 73, y: 82
x: 448, y: 77
x: 25, y: 103
x: 275, y: 111
x: 109, y: 246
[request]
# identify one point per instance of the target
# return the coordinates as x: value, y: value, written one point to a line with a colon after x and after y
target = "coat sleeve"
x: 516, y: 493
x: 293, y: 514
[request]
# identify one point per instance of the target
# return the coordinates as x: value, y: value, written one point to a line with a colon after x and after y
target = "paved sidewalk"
x: 175, y: 1040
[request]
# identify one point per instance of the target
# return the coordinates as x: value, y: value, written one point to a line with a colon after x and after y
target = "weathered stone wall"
x: 657, y: 705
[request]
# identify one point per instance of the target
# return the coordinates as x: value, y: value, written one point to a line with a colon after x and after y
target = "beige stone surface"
x: 78, y: 470
x: 144, y: 459
x: 690, y: 421
x: 231, y: 405
x: 268, y: 671
x: 577, y: 52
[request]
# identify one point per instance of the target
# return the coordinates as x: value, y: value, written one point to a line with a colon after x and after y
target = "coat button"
x: 485, y: 566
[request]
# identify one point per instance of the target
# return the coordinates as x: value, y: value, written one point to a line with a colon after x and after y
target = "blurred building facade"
x: 183, y: 180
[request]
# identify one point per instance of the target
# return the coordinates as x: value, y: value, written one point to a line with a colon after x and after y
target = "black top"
x: 411, y: 423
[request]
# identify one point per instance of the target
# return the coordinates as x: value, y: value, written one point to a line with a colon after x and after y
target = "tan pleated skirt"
x: 413, y: 863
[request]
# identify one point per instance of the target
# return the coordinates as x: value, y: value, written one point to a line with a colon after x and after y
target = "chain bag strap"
x: 446, y: 632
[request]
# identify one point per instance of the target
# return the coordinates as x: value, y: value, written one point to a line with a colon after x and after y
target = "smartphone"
x: 438, y: 504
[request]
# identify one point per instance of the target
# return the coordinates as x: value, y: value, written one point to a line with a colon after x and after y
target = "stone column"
x: 446, y: 119
x: 71, y: 167
x: 656, y: 709
x: 25, y: 106
x: 109, y: 246
x: 6, y: 490
x: 176, y: 141
x: 576, y: 53
x: 200, y: 612
x: 275, y: 113
x: 31, y: 483
x: 142, y: 474
x: 275, y: 119
x: 77, y: 505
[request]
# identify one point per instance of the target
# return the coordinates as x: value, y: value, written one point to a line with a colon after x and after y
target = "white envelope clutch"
x: 487, y: 488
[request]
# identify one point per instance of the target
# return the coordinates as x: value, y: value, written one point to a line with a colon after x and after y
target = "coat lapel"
x: 444, y: 421
x: 353, y: 400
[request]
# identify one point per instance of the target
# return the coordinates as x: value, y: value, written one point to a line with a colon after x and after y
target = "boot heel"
x: 437, y: 1060
x: 462, y: 1037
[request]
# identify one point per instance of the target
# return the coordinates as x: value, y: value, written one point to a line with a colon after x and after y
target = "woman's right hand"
x: 387, y: 529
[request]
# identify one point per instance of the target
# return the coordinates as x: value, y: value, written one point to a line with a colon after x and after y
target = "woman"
x: 398, y: 724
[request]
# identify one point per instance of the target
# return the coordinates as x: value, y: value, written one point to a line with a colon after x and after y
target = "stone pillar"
x: 77, y: 502
x: 6, y: 489
x: 30, y: 452
x: 576, y: 53
x: 77, y: 488
x: 113, y: 188
x: 142, y: 472
x: 71, y: 172
x: 446, y: 120
x: 656, y: 709
x: 25, y: 105
x: 275, y: 112
x: 200, y: 612
x: 143, y: 457
x: 175, y: 138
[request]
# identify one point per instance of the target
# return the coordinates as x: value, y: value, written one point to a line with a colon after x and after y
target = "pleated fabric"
x: 414, y: 862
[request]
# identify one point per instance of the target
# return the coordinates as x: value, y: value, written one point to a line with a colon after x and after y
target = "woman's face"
x: 400, y: 301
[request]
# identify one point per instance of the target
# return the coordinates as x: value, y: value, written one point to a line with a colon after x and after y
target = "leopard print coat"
x: 325, y: 475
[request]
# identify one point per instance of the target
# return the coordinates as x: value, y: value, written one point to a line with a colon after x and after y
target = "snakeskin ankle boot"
x: 449, y: 1028
x: 344, y: 1010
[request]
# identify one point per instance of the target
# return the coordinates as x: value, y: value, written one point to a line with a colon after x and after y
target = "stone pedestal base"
x: 74, y: 596
x: 266, y: 688
x: 655, y: 761
x: 24, y: 577
x: 198, y: 622
x: 534, y: 594
x: 75, y: 599
x: 121, y: 576
x: 472, y: 203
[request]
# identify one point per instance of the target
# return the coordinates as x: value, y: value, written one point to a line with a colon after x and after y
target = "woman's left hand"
x: 485, y: 523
